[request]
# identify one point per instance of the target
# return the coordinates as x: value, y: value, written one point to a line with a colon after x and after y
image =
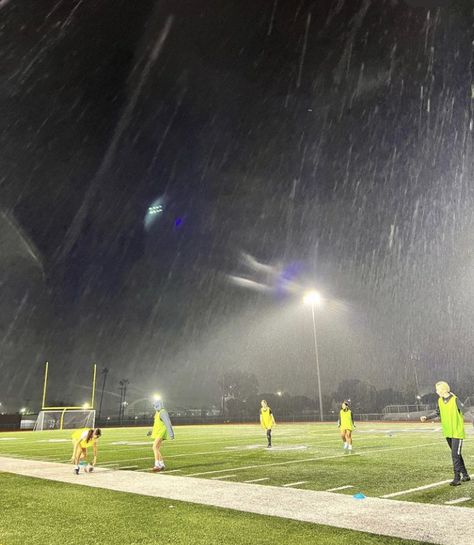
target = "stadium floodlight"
x: 156, y: 397
x: 313, y: 298
x: 279, y: 393
x: 23, y: 410
x: 86, y: 405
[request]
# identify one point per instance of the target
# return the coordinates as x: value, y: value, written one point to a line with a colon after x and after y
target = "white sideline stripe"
x: 258, y: 480
x: 423, y: 522
x: 340, y: 488
x: 127, y: 467
x: 303, y: 460
x: 454, y: 502
x: 295, y: 484
x: 410, y: 490
x: 223, y: 477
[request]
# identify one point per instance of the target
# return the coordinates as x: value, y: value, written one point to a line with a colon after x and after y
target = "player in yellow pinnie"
x: 81, y: 440
x: 346, y: 425
x: 162, y: 430
x: 267, y: 421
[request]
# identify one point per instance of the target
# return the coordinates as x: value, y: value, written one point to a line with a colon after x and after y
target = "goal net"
x: 65, y: 419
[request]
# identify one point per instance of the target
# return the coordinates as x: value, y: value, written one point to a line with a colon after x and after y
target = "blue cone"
x: 359, y: 496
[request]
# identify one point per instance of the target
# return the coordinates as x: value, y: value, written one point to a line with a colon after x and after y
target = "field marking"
x: 223, y: 477
x: 340, y: 488
x: 410, y: 490
x: 427, y: 523
x: 258, y: 480
x: 294, y: 484
x: 454, y: 502
x: 127, y: 467
x: 316, y: 459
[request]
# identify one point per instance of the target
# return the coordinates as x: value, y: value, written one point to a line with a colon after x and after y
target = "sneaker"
x: 76, y: 470
x: 156, y: 469
x: 465, y: 478
x: 455, y: 482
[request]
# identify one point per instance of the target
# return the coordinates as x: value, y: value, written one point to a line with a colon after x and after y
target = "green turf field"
x: 40, y: 512
x: 388, y: 458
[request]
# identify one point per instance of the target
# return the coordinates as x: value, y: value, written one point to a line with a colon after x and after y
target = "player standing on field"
x: 267, y: 421
x: 346, y: 425
x: 452, y: 421
x: 162, y: 430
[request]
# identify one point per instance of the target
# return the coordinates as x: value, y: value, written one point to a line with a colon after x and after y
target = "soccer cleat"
x: 76, y: 470
x: 465, y: 478
x: 157, y: 469
x: 455, y: 482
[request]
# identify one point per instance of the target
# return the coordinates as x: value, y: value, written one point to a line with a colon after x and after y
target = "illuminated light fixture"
x: 156, y: 209
x: 86, y: 406
x: 156, y: 397
x: 312, y: 298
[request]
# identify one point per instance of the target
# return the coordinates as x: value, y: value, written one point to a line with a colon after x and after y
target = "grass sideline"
x: 41, y: 512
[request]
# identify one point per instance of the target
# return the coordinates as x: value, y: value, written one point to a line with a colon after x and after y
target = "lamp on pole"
x: 313, y: 298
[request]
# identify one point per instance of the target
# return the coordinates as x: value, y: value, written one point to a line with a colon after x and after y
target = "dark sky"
x: 331, y: 140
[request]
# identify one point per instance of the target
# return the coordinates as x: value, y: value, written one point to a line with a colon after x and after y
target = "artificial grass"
x: 388, y: 457
x: 39, y: 512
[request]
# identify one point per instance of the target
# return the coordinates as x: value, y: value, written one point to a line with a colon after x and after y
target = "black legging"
x: 458, y: 463
x: 269, y: 437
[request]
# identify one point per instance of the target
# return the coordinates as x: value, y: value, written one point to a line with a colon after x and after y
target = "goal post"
x: 58, y: 418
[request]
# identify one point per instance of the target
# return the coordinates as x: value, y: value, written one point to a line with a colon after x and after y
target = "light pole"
x: 313, y: 298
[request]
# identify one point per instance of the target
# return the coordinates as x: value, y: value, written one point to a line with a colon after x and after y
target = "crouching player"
x: 346, y: 425
x: 162, y: 430
x: 81, y: 440
x: 452, y: 421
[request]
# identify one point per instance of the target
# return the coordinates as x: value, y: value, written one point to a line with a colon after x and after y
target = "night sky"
x: 148, y: 148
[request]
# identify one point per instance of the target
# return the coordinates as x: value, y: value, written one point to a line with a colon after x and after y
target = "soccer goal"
x: 63, y: 418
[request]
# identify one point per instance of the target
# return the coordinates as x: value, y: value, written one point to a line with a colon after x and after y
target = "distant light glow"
x: 153, y: 212
x: 156, y: 397
x: 23, y: 410
x: 86, y: 406
x: 312, y: 298
x: 279, y: 393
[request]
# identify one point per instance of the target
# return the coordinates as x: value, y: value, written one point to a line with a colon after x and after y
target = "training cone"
x: 359, y: 496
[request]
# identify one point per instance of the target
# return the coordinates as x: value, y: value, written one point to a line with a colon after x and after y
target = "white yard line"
x: 454, y: 502
x: 258, y: 480
x: 340, y: 488
x: 315, y: 459
x: 410, y: 490
x: 427, y: 523
x: 223, y: 477
x: 293, y: 484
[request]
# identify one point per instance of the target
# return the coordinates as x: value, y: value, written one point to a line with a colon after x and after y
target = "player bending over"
x: 81, y: 440
x: 346, y: 425
x: 267, y: 421
x: 162, y: 430
x: 452, y: 421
